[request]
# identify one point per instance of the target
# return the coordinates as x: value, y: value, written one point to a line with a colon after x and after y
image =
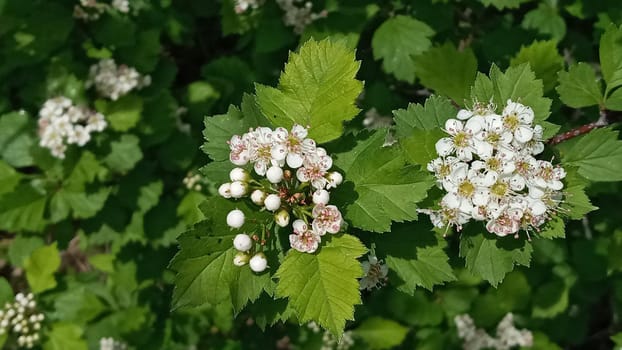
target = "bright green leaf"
x: 598, y: 155
x: 447, y: 71
x: 611, y: 56
x: 397, y: 40
x: 323, y: 287
x: 420, y: 147
x: 21, y: 248
x: 124, y: 113
x: 546, y: 20
x: 430, y: 116
x: 387, y: 189
x: 65, y: 336
x: 22, y: 209
x: 125, y: 153
x: 544, y: 59
x: 579, y: 87
x: 40, y: 267
x: 9, y: 178
x: 317, y: 89
x: 554, y: 228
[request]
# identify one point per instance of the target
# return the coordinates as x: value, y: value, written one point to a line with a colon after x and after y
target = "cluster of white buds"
x: 91, y: 10
x: 193, y: 182
x: 488, y: 170
x: 299, y: 14
x: 242, y: 6
x: 507, y: 337
x: 111, y: 344
x: 113, y: 81
x: 21, y: 319
x: 293, y: 180
x: 61, y: 124
x: 375, y: 273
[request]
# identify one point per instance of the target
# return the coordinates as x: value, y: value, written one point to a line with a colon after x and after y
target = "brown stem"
x: 603, y: 120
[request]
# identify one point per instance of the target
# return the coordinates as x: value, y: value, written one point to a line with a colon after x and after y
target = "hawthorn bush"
x: 338, y: 174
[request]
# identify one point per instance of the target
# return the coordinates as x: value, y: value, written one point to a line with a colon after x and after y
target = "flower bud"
x: 334, y: 179
x: 235, y: 218
x: 225, y: 190
x: 272, y: 202
x: 240, y: 259
x: 238, y: 189
x: 258, y: 262
x: 282, y: 218
x: 242, y: 242
x: 258, y: 197
x: 239, y: 174
x: 299, y: 226
x: 321, y: 197
x: 274, y: 174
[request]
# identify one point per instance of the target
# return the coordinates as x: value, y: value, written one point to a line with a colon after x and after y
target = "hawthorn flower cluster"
x: 193, y: 182
x: 21, y: 319
x: 61, y: 124
x: 299, y: 14
x: 507, y: 337
x: 113, y: 81
x: 294, y: 179
x: 111, y: 344
x: 91, y: 10
x: 489, y: 173
x: 375, y: 273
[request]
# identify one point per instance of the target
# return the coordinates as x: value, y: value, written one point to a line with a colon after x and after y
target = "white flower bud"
x: 242, y: 242
x: 334, y: 179
x: 258, y: 197
x: 239, y: 174
x: 240, y: 259
x: 17, y: 327
x: 274, y: 174
x: 41, y: 317
x: 258, y: 262
x: 235, y: 218
x: 282, y: 218
x: 321, y: 197
x: 238, y: 189
x: 225, y: 190
x: 299, y: 226
x: 272, y: 202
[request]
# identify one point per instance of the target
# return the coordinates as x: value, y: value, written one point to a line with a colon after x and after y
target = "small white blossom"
x: 21, y: 319
x: 111, y: 344
x: 507, y: 335
x: 114, y: 81
x: 299, y: 14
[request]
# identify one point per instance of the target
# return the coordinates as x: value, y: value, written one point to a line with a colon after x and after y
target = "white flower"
x: 258, y: 262
x: 260, y: 149
x: 518, y: 118
x: 321, y: 197
x: 114, y: 81
x: 242, y: 242
x: 315, y: 167
x: 292, y: 146
x: 272, y: 202
x: 239, y: 150
x: 239, y: 174
x: 326, y: 218
x: 304, y: 239
x: 375, y: 273
x: 238, y: 189
x: 460, y: 142
x: 225, y: 190
x: 235, y: 218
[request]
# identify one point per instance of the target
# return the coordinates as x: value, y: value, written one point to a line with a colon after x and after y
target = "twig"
x: 603, y: 120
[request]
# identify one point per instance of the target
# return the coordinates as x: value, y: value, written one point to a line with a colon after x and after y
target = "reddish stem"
x: 581, y: 130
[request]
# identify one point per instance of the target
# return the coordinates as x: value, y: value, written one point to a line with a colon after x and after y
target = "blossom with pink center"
x: 239, y: 150
x: 314, y: 168
x: 304, y: 239
x: 292, y: 146
x: 260, y: 149
x: 326, y: 218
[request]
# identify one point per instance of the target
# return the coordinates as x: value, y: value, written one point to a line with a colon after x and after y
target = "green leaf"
x: 77, y: 305
x: 518, y: 84
x: 387, y: 189
x: 220, y: 128
x: 204, y: 263
x: 82, y: 205
x: 122, y: 114
x: 125, y: 153
x: 431, y: 116
x: 22, y: 209
x: 323, y: 287
x: 317, y: 89
x: 9, y: 178
x: 544, y: 59
x: 550, y: 299
x: 381, y: 333
x: 21, y: 248
x: 598, y: 155
x: 579, y: 87
x: 420, y: 147
x: 503, y: 4
x: 576, y: 203
x: 554, y: 228
x: 16, y: 139
x: 447, y: 71
x: 546, y: 20
x: 102, y: 262
x: 611, y: 56
x: 40, y: 267
x: 65, y: 336
x: 614, y: 101
x: 6, y: 292
x: 492, y: 257
x: 396, y: 41
x: 423, y: 264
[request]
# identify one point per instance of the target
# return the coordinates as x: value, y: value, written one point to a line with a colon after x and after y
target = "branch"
x: 606, y: 118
